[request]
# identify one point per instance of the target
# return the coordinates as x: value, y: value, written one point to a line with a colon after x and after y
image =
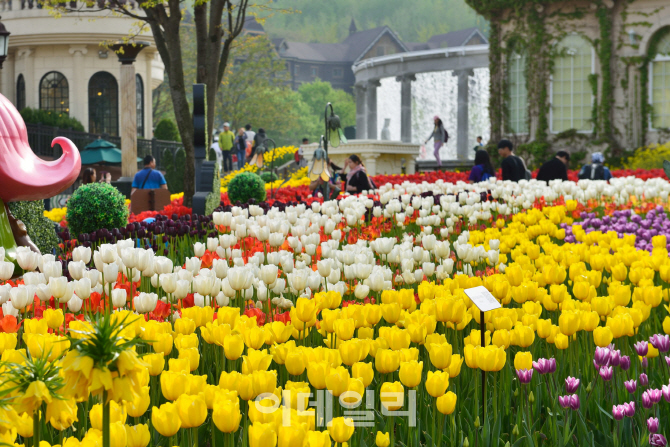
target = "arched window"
x: 103, y: 104
x: 659, y: 85
x: 54, y: 93
x: 139, y: 93
x: 518, y: 94
x: 20, y: 93
x: 571, y: 93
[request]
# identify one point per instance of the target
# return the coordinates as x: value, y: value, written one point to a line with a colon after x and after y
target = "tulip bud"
x: 589, y: 388
x: 515, y: 430
x: 477, y: 423
x: 466, y: 442
x: 531, y: 398
x: 516, y: 392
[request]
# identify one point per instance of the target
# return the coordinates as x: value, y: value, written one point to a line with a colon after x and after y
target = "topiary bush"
x: 40, y: 229
x: 166, y: 130
x: 245, y: 186
x: 95, y: 206
x: 269, y: 177
x: 49, y: 118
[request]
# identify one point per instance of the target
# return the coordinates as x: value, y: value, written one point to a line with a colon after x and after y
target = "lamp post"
x: 127, y: 53
x: 4, y: 43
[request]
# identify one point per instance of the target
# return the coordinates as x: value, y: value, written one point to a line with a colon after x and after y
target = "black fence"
x: 40, y: 138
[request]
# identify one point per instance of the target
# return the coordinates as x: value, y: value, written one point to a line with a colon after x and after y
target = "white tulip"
x: 203, y: 285
x: 494, y: 244
x: 76, y: 269
x: 448, y: 266
x: 145, y: 261
x: 97, y: 261
x: 81, y: 254
x: 493, y: 256
x: 193, y: 264
x: 226, y: 289
x: 9, y: 309
x: 262, y: 292
x: 376, y: 281
x: 119, y: 297
x: 93, y: 276
x: 361, y: 291
x: 212, y: 244
x: 239, y: 278
x: 27, y: 259
x: 129, y: 257
x: 222, y: 300
x: 198, y: 300
x: 154, y: 281
x: 20, y: 296
x: 428, y: 268
x: 280, y: 286
x: 4, y: 293
x: 268, y: 274
x: 199, y: 250
x: 220, y: 267
x: 145, y: 302
x: 336, y: 235
x: 324, y: 267
x: 82, y: 288
x: 2, y: 254
x: 110, y: 272
x: 108, y: 253
x: 418, y: 275
x: 168, y: 282
x: 58, y: 287
x: 183, y: 289
x: 6, y: 270
x: 162, y: 265
x: 185, y: 275
x: 75, y: 303
x: 287, y: 265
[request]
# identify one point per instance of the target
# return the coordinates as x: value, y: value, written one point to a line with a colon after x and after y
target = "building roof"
x: 252, y: 25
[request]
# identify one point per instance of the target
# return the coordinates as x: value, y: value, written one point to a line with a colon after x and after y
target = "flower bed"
x: 220, y: 326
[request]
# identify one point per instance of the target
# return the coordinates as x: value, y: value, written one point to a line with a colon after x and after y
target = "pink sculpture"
x: 24, y: 176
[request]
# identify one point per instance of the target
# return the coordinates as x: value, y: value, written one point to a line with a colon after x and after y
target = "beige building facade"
x: 579, y: 75
x: 59, y: 64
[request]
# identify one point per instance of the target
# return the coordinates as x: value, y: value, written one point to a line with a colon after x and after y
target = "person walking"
x: 482, y: 170
x: 479, y: 144
x: 259, y: 139
x: 226, y: 143
x: 596, y: 170
x: 513, y: 168
x: 439, y: 136
x: 556, y: 168
x: 149, y: 177
x: 241, y: 147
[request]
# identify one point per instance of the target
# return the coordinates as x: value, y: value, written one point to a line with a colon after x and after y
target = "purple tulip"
x: 571, y: 384
x: 629, y: 409
x: 645, y: 362
x: 667, y: 360
x: 660, y: 342
x: 641, y: 347
x: 644, y: 380
x: 657, y: 440
x: 524, y: 375
x: 602, y: 357
x: 631, y: 385
x: 652, y: 425
x: 624, y: 363
x: 571, y: 401
x: 618, y: 412
x: 665, y: 390
x: 615, y: 358
x: 655, y: 395
x: 564, y: 401
x: 646, y: 400
x: 606, y: 372
x: 574, y: 402
x: 545, y: 366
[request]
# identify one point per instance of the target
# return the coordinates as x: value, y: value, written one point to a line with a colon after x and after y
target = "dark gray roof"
x: 250, y: 24
x: 455, y: 38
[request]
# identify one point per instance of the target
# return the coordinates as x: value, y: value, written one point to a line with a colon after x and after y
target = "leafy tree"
x: 318, y: 93
x: 217, y: 25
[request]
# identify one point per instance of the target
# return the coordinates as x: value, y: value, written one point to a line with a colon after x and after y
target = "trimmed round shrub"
x: 96, y: 206
x: 40, y: 229
x: 167, y: 130
x: 245, y: 186
x: 269, y: 177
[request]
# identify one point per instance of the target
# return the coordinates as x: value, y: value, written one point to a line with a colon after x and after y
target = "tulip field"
x: 347, y: 323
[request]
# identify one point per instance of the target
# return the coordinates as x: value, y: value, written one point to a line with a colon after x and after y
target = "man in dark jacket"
x: 596, y: 170
x: 556, y: 168
x: 512, y: 166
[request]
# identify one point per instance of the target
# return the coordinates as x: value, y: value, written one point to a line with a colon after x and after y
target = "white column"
x: 9, y: 78
x: 128, y: 113
x: 371, y: 104
x: 462, y: 113
x: 370, y: 161
x: 79, y: 85
x: 32, y: 84
x: 148, y: 90
x: 361, y: 112
x: 406, y: 107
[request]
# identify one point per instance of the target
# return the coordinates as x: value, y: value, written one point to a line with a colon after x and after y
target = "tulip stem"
x: 105, y: 420
x: 36, y: 428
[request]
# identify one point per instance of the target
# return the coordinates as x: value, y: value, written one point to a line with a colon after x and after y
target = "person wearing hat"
x: 439, y: 136
x: 596, y: 170
x: 226, y: 143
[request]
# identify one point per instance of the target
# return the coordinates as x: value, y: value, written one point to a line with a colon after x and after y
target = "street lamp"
x: 4, y: 43
x: 334, y: 136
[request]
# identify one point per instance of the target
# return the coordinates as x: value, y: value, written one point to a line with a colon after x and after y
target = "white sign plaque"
x: 482, y: 298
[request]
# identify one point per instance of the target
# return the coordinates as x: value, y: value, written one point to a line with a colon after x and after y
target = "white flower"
x: 145, y: 261
x: 58, y: 286
x: 110, y: 272
x: 193, y: 264
x: 183, y: 289
x: 162, y: 265
x: 239, y: 278
x: 129, y: 257
x: 4, y: 293
x: 75, y: 303
x: 119, y: 297
x: 81, y: 254
x: 6, y: 270
x: 108, y: 253
x: 268, y: 274
x: 82, y: 288
x: 20, y: 296
x: 222, y: 300
x: 168, y: 282
x: 198, y: 250
x: 361, y: 291
x: 27, y: 259
x: 145, y: 302
x: 9, y: 309
x: 76, y: 269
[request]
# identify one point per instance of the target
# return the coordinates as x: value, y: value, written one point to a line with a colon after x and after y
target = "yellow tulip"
x: 619, y: 272
x: 264, y: 382
x: 410, y: 373
x: 280, y: 332
x: 23, y: 424
x: 392, y: 395
x: 364, y: 372
x: 262, y: 435
x: 226, y: 415
x: 490, y: 358
x: 192, y: 410
x: 163, y: 344
x: 455, y: 365
x: 440, y: 355
x: 318, y: 439
x: 523, y: 360
x: 344, y: 329
x: 173, y: 384
x: 256, y: 361
x: 383, y: 439
x: 138, y: 435
x: 184, y: 326
x: 569, y: 322
x: 391, y: 312
x: 317, y: 373
x: 305, y: 309
x: 446, y: 404
x: 138, y: 406
x: 192, y: 355
x: 117, y: 413
x: 387, y: 361
x: 156, y: 363
x: 561, y: 341
x: 166, y: 419
x: 437, y: 383
x: 54, y: 318
x: 337, y: 380
x: 341, y: 429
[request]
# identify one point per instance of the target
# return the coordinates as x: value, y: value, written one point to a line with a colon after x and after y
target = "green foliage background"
x: 95, y: 206
x: 245, y: 186
x: 40, y: 229
x: 166, y: 130
x: 48, y: 118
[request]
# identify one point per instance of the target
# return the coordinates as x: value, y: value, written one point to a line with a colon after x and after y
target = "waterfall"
x: 433, y: 94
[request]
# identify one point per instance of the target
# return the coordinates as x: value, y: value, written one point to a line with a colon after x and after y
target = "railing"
x: 7, y: 5
x: 40, y: 138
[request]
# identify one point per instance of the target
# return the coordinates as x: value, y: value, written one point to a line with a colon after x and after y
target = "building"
x: 333, y: 62
x: 58, y: 64
x: 579, y: 75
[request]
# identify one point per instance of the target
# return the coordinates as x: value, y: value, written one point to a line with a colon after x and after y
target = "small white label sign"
x: 482, y: 298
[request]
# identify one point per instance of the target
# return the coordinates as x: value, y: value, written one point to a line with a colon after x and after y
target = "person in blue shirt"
x: 596, y: 170
x: 149, y: 177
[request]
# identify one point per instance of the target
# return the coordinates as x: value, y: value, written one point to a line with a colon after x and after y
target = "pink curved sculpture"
x: 23, y: 175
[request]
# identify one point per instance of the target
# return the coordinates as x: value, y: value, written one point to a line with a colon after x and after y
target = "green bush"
x: 40, y: 229
x: 649, y: 157
x: 269, y: 177
x: 174, y: 169
x: 49, y: 118
x: 245, y: 186
x: 166, y: 130
x: 96, y: 206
